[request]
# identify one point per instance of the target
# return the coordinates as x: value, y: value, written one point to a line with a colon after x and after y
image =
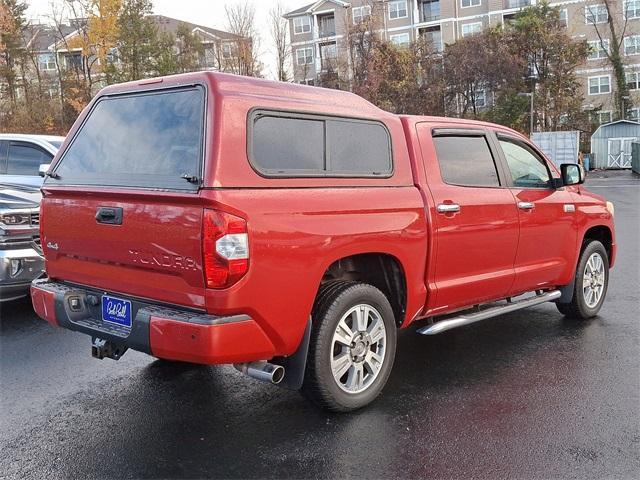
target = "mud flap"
x: 567, y: 292
x: 294, y: 365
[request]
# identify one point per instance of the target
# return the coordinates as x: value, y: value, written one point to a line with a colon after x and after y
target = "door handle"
x: 109, y: 215
x: 526, y: 205
x: 448, y: 208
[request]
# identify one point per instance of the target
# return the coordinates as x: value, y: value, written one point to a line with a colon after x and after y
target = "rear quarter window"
x: 285, y: 144
x: 147, y: 140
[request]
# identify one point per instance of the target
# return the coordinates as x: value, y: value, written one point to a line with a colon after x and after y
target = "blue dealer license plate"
x: 115, y: 310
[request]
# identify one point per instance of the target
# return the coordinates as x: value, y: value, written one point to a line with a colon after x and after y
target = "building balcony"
x: 326, y: 26
x: 429, y: 10
x: 326, y: 33
x: 516, y: 3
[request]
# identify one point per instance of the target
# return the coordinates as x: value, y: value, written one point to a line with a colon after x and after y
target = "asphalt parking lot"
x: 525, y: 395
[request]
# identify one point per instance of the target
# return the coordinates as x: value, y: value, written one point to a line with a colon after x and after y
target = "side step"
x: 459, y: 321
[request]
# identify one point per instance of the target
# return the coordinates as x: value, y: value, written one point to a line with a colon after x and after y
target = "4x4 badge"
x: 52, y: 245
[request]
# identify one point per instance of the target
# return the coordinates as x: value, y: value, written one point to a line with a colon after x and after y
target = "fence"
x: 635, y: 157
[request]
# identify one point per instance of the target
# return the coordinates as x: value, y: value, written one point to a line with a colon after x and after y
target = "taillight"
x: 225, y: 246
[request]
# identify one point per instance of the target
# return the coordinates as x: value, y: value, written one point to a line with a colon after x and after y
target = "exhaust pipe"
x: 265, y: 371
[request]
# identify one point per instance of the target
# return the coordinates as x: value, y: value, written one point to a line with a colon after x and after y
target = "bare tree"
x: 241, y: 22
x: 280, y: 37
x: 362, y: 41
x: 615, y: 35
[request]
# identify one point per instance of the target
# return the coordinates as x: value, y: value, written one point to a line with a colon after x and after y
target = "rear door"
x: 475, y: 218
x: 548, y: 233
x: 121, y: 212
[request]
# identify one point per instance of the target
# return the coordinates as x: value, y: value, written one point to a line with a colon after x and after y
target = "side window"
x: 527, y: 169
x: 3, y: 156
x: 466, y: 161
x: 24, y: 159
x: 289, y: 144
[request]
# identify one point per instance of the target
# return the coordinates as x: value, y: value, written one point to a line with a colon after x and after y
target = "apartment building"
x: 61, y: 48
x: 318, y: 33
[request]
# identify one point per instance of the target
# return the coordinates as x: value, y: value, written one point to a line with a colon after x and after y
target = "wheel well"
x: 381, y: 270
x: 600, y: 233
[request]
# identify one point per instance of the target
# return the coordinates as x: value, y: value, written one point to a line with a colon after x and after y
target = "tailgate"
x: 121, y: 210
x: 154, y: 253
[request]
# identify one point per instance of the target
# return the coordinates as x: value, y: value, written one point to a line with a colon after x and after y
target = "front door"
x: 548, y: 233
x: 475, y: 219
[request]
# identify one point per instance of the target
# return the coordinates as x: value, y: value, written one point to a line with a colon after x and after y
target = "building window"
x: 596, y: 14
x: 328, y: 56
x: 633, y: 80
x: 46, y: 62
x: 564, y: 17
x: 604, y: 117
x: 304, y: 56
x: 470, y: 3
x: 480, y: 98
x: 398, y: 9
x: 471, y: 28
x: 227, y: 50
x: 632, y: 45
x: 361, y: 14
x: 634, y: 114
x: 301, y: 25
x: 73, y: 60
x: 598, y: 49
x: 598, y: 85
x: 400, y: 40
x: 632, y: 9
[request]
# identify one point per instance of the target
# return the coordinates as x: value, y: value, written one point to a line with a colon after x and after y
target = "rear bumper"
x: 171, y: 333
x: 30, y: 265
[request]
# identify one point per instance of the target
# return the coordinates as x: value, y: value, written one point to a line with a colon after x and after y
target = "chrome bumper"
x: 29, y: 265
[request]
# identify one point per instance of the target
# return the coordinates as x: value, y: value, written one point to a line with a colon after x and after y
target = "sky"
x: 209, y: 13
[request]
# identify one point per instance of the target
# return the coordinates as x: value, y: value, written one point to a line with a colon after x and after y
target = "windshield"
x: 152, y: 140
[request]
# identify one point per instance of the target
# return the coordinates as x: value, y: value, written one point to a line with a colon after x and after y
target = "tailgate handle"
x: 109, y: 215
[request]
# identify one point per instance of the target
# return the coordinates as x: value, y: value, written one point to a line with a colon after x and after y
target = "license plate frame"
x: 116, y: 311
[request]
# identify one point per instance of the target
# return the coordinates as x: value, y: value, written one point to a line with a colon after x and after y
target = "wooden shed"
x: 611, y: 144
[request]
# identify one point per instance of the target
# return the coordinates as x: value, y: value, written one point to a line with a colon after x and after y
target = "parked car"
x: 24, y: 158
x: 292, y: 230
x: 20, y: 254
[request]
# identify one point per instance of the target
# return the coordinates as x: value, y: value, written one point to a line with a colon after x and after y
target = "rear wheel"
x: 352, y: 347
x: 591, y: 282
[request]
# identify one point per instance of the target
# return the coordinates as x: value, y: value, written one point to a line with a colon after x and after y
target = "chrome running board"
x: 466, y: 319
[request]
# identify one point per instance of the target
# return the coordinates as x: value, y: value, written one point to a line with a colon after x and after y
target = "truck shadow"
x: 178, y: 420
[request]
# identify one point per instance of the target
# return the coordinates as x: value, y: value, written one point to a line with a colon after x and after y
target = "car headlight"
x: 610, y: 208
x: 15, y: 218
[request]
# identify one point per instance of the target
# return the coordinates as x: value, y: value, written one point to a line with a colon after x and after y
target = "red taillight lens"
x: 225, y: 246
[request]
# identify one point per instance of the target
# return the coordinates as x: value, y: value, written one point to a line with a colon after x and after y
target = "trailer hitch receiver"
x: 106, y: 349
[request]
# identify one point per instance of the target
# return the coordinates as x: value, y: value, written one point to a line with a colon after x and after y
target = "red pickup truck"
x: 291, y: 230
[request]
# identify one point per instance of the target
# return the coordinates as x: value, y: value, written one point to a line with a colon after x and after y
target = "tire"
x: 362, y: 355
x: 591, y: 283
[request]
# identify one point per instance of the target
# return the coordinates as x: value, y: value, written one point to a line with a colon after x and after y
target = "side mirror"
x: 43, y: 169
x: 572, y: 173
